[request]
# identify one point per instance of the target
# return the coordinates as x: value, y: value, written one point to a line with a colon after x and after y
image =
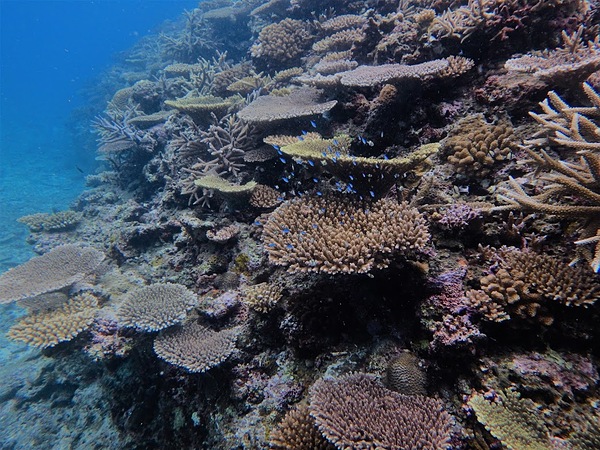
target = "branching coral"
x: 338, y: 234
x: 157, y: 306
x: 262, y: 297
x: 265, y: 197
x: 356, y: 411
x: 195, y: 347
x: 48, y: 328
x: 571, y: 189
x: 525, y: 284
x: 60, y: 267
x: 282, y: 42
x: 297, y: 431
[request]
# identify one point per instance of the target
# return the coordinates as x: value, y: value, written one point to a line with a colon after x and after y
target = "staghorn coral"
x: 281, y: 42
x: 195, y: 347
x: 457, y: 66
x: 524, y: 283
x: 342, y: 22
x: 404, y: 375
x: 60, y: 267
x: 570, y: 189
x: 356, y: 411
x: 297, y: 431
x: 157, y: 306
x: 58, y: 221
x: 262, y: 297
x: 340, y: 234
x: 299, y: 103
x: 49, y: 328
x: 510, y: 419
x: 475, y: 145
x: 368, y: 76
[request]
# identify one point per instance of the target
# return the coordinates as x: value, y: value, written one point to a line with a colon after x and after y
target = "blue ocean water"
x: 50, y: 51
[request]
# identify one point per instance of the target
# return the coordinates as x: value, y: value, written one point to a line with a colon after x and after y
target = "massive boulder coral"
x: 356, y: 411
x: 60, y: 267
x: 341, y: 234
x: 157, y: 306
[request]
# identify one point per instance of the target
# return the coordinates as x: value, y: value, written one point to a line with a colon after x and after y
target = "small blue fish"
x: 303, y: 232
x: 381, y: 134
x: 325, y: 154
x: 313, y: 123
x: 334, y: 159
x: 377, y: 166
x: 289, y: 246
x: 351, y: 177
x: 363, y: 175
x: 279, y: 152
x: 256, y: 222
x: 385, y: 157
x: 304, y: 132
x: 315, y: 226
x: 319, y: 193
x: 372, y: 194
x: 335, y: 142
x: 363, y: 140
x: 310, y: 163
x: 354, y: 161
x: 271, y: 245
x: 315, y: 180
x: 337, y: 154
x: 279, y: 199
x: 300, y: 138
x: 285, y: 230
x: 276, y: 147
x: 285, y: 179
x: 282, y: 159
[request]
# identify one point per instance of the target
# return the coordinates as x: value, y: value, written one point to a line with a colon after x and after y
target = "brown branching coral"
x: 338, y: 234
x: 525, y: 284
x: 512, y: 420
x: 300, y: 103
x: 265, y: 197
x: 341, y: 40
x: 195, y: 347
x: 60, y: 267
x: 262, y: 297
x: 224, y: 234
x: 48, y: 328
x: 157, y: 306
x: 356, y: 411
x: 570, y: 189
x: 475, y: 145
x: 297, y: 431
x: 282, y: 42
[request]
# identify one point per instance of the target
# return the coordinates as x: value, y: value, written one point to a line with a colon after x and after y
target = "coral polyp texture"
x: 404, y: 375
x: 195, y: 347
x: 59, y: 268
x: 298, y: 431
x: 356, y: 411
x: 340, y: 234
x: 262, y: 297
x: 282, y: 41
x: 49, y: 328
x: 154, y: 307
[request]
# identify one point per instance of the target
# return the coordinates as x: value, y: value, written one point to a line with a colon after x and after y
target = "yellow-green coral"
x: 221, y: 185
x: 512, y: 420
x: 58, y: 221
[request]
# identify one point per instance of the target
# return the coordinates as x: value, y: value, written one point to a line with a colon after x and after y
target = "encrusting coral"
x: 60, y: 267
x: 157, y: 306
x: 195, y: 347
x: 49, y: 328
x: 356, y: 411
x: 340, y: 234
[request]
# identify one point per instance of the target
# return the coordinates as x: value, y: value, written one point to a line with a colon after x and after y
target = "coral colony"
x: 337, y: 224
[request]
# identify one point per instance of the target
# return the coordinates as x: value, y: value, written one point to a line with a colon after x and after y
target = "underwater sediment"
x: 329, y: 224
